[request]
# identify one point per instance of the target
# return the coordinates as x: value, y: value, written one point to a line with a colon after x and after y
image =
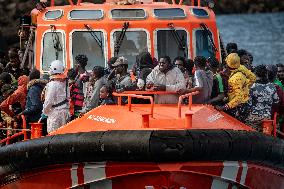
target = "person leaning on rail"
x: 203, y: 81
x: 165, y: 77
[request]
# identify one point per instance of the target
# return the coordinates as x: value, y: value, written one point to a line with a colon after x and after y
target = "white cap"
x: 56, y: 67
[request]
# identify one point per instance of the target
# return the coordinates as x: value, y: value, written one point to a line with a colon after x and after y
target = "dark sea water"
x: 260, y: 34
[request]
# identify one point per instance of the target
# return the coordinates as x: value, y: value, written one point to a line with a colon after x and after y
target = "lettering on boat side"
x: 102, y: 119
x: 214, y: 117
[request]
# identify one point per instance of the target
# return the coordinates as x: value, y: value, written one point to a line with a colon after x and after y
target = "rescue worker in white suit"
x: 57, y: 94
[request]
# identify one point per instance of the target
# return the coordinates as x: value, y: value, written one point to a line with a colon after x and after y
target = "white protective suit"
x: 56, y: 91
x: 173, y: 80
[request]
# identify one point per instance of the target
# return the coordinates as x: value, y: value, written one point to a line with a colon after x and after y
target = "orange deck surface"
x: 115, y: 117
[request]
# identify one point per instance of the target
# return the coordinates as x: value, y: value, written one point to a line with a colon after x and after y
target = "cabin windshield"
x: 168, y: 44
x: 53, y: 49
x: 203, y: 45
x: 133, y: 43
x: 91, y: 44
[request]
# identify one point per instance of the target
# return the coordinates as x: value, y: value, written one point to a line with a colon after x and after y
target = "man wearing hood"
x: 33, y: 106
x: 17, y: 98
x: 240, y: 81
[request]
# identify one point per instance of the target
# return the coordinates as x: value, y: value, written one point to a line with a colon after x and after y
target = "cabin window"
x: 199, y: 12
x: 53, y: 14
x: 91, y: 44
x: 172, y: 13
x: 128, y: 14
x: 53, y: 49
x: 132, y: 44
x: 168, y: 44
x: 86, y: 14
x: 203, y: 45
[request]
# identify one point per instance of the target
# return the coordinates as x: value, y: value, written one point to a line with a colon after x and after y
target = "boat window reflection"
x: 169, y: 45
x: 90, y: 43
x: 53, y: 49
x: 203, y: 44
x: 133, y: 43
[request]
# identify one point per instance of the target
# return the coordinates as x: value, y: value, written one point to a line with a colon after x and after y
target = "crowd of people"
x: 250, y: 94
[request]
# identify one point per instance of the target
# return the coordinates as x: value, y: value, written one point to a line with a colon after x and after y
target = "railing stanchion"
x: 180, y: 99
x: 129, y: 103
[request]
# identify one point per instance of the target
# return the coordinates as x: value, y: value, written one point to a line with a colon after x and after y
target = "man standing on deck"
x: 239, y: 83
x: 57, y: 94
x: 165, y: 77
x: 203, y: 82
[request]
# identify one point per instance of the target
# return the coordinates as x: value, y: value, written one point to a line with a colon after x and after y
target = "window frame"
x: 80, y: 19
x: 171, y: 17
x: 155, y: 35
x: 198, y: 16
x: 129, y: 30
x: 50, y: 19
x: 64, y: 59
x: 194, y: 38
x: 128, y: 18
x: 85, y: 30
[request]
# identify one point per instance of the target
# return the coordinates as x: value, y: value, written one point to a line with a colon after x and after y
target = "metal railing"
x: 129, y: 99
x: 180, y: 99
x: 22, y: 132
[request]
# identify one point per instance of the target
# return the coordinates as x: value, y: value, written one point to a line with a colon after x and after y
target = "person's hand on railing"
x: 159, y: 87
x: 182, y: 91
x: 150, y: 86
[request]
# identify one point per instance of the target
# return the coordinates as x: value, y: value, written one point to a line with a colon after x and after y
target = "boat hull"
x: 164, y: 159
x: 146, y: 175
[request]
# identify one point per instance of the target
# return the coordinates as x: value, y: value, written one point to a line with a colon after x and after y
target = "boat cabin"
x: 102, y: 31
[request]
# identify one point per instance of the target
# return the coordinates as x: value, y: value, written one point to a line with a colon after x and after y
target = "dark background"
x: 11, y: 10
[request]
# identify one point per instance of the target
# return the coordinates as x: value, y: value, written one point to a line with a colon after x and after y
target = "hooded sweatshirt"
x: 240, y: 81
x: 19, y: 95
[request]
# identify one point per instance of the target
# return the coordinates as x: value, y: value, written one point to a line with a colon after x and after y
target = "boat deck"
x: 138, y: 117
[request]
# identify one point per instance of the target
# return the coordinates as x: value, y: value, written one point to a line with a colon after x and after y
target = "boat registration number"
x: 101, y: 119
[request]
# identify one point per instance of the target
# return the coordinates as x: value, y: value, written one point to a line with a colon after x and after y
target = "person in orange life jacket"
x: 57, y: 94
x: 239, y: 83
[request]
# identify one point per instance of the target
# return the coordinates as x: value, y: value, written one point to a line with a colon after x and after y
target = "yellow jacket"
x: 240, y: 81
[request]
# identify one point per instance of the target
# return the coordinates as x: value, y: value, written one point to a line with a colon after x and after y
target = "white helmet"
x: 56, y: 67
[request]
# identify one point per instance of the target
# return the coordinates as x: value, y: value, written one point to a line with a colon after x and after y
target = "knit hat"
x: 233, y: 61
